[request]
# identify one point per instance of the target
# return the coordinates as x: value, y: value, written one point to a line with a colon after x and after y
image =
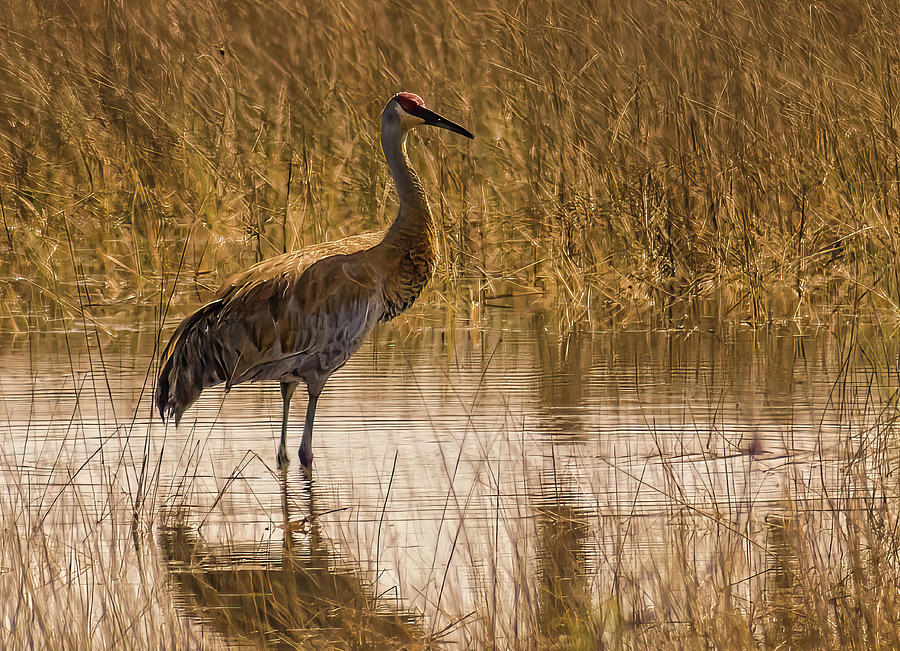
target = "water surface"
x: 501, y: 473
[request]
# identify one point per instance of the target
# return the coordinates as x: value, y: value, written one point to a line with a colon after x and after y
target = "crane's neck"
x: 409, y: 243
x: 414, y: 218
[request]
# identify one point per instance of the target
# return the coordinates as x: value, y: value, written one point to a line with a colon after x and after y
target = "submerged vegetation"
x: 639, y: 162
x: 630, y: 159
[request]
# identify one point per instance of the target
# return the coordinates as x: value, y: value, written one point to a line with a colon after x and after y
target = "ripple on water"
x: 444, y: 476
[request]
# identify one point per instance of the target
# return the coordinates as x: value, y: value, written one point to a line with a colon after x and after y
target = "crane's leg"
x: 287, y: 390
x: 306, y: 455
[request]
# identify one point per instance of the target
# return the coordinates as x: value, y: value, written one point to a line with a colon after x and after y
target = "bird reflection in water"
x: 300, y: 593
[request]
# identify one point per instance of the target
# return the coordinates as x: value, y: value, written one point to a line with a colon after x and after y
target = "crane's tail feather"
x: 192, y: 361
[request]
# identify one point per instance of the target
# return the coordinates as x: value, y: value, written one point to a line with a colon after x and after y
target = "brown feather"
x: 270, y: 321
x: 301, y: 315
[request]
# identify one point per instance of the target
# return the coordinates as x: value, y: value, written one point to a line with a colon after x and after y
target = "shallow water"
x: 454, y: 469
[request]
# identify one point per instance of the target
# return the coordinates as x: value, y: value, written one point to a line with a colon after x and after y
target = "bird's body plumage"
x: 299, y: 316
x: 271, y: 322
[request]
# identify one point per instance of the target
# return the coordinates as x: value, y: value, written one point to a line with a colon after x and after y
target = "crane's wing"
x: 304, y: 325
x: 305, y: 311
x: 296, y: 262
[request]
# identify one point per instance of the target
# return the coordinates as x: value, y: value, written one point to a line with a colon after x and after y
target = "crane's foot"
x: 306, y: 457
x: 282, y: 458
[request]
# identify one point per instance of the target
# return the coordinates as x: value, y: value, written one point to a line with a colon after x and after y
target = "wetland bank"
x: 648, y: 399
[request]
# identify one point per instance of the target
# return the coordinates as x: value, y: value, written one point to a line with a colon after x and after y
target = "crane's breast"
x: 413, y: 270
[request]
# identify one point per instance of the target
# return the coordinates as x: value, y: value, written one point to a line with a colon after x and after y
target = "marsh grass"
x: 630, y: 161
x: 73, y: 579
x: 654, y: 163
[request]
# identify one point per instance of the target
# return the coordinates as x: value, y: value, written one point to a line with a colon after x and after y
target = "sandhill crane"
x: 301, y: 315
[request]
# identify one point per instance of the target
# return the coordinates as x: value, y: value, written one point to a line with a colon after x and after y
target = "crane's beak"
x: 433, y: 119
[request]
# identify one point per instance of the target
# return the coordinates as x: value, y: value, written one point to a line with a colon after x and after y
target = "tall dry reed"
x: 630, y: 159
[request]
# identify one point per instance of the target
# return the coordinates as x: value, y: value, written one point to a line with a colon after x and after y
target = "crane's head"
x: 409, y: 110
